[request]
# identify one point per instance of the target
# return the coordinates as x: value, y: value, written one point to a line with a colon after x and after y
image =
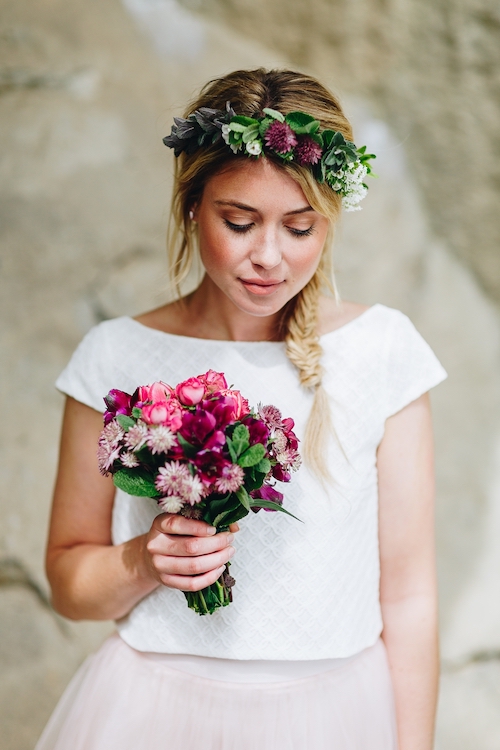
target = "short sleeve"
x: 83, y: 376
x: 412, y: 366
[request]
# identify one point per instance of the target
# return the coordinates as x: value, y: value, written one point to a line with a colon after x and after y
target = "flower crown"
x: 292, y: 137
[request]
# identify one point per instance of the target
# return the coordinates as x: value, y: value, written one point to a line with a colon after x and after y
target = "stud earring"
x: 191, y: 215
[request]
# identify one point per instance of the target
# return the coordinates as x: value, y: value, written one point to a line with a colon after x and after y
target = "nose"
x: 266, y: 250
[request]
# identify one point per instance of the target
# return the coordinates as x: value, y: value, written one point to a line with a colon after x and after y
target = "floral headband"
x: 292, y: 137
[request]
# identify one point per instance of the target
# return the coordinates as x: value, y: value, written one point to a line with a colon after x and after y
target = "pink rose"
x: 155, y: 413
x: 241, y: 406
x: 214, y: 381
x: 190, y: 392
x: 155, y: 392
x: 168, y: 413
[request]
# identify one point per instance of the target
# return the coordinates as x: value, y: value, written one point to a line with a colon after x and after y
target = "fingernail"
x: 229, y: 538
x: 231, y: 551
x: 211, y: 530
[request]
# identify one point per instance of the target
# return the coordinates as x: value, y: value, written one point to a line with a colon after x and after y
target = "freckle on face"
x: 261, y: 268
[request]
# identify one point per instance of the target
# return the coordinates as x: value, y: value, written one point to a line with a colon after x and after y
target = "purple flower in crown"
x: 307, y: 151
x: 280, y: 137
x: 118, y: 402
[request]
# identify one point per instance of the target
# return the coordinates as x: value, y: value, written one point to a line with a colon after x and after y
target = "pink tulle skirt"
x: 122, y: 699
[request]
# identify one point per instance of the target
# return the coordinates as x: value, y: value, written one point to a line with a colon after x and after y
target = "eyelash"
x: 243, y: 228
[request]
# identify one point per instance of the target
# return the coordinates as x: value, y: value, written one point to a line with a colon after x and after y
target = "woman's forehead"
x: 256, y: 179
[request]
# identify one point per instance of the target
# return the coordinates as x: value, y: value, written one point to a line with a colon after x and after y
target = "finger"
x: 234, y: 527
x: 192, y: 546
x: 192, y: 583
x: 169, y: 523
x: 192, y: 566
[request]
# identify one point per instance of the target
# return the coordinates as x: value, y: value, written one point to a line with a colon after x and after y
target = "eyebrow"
x: 243, y: 207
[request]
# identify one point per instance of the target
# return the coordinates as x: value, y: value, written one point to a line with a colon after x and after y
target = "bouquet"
x: 200, y: 451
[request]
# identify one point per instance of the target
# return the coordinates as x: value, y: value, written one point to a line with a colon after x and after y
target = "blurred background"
x: 88, y: 88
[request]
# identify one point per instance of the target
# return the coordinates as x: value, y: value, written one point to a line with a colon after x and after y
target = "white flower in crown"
x: 254, y: 148
x: 225, y: 134
x: 352, y: 186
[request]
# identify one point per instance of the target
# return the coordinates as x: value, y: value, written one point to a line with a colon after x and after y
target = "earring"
x: 191, y: 214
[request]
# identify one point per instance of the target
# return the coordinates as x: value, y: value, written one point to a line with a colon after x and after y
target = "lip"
x: 261, y: 287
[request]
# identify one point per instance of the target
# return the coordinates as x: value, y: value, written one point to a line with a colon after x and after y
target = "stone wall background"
x: 87, y: 90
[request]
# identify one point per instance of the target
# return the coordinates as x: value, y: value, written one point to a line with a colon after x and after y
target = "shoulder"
x: 333, y: 315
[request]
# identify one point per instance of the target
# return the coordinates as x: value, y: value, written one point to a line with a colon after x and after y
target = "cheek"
x: 307, y: 258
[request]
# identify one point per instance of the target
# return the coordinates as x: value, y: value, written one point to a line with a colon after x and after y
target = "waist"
x: 248, y: 671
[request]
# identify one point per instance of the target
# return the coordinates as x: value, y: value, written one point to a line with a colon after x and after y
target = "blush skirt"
x: 123, y: 699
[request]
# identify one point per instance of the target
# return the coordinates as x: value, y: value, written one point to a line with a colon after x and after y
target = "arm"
x: 408, y: 579
x: 91, y: 578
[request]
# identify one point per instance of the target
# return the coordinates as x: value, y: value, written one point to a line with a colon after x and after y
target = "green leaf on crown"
x: 240, y: 122
x: 302, y: 123
x: 250, y: 133
x: 274, y: 114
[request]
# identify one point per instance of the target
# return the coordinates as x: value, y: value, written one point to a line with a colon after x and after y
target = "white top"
x: 304, y: 591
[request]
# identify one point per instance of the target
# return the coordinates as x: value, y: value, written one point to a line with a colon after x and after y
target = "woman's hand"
x: 186, y: 554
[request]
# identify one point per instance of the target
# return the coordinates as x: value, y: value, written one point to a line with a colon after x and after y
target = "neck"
x: 212, y: 315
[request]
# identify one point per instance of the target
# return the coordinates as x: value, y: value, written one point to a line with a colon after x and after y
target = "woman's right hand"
x: 186, y: 554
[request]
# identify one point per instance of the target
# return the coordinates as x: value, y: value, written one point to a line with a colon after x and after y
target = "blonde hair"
x: 249, y: 91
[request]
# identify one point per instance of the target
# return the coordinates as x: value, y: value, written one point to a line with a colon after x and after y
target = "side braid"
x: 304, y: 350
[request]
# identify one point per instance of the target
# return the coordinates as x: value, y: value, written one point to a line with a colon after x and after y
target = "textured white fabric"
x: 303, y: 590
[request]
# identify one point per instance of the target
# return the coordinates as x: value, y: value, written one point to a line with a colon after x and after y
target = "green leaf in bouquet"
x: 240, y: 439
x: 214, y: 507
x: 243, y: 497
x: 264, y: 466
x: 252, y: 456
x: 136, y: 412
x: 230, y: 447
x: 271, y: 506
x: 189, y: 450
x: 134, y: 482
x: 254, y: 479
x: 125, y: 422
x: 230, y: 516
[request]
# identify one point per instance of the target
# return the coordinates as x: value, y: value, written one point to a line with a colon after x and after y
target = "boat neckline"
x: 323, y: 336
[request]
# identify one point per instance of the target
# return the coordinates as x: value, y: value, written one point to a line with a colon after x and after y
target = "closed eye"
x: 301, y: 232
x: 239, y: 228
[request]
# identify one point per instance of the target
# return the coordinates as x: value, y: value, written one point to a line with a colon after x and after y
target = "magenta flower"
x: 259, y: 432
x: 307, y: 151
x: 210, y: 465
x: 266, y: 492
x: 118, y: 402
x: 280, y: 137
x: 280, y: 473
x: 197, y: 427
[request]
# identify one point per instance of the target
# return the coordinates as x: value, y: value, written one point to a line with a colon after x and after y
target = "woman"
x: 331, y: 641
